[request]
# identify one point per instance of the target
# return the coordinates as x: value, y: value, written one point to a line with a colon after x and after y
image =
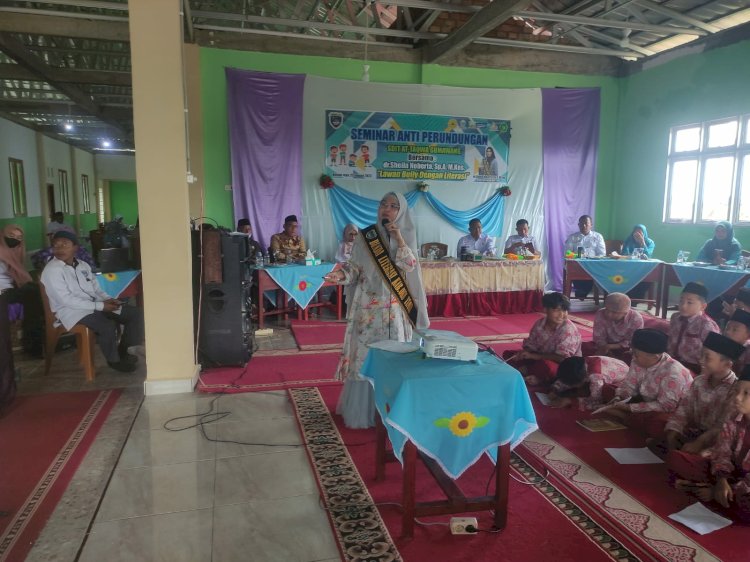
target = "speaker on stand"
x: 226, y: 334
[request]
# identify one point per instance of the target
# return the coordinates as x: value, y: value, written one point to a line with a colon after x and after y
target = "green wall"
x: 691, y: 89
x: 217, y: 173
x: 123, y: 199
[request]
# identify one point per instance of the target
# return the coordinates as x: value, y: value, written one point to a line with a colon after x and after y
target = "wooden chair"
x: 440, y: 248
x: 613, y: 246
x: 85, y: 339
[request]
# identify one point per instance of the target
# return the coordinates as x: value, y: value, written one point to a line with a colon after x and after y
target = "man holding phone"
x: 76, y: 298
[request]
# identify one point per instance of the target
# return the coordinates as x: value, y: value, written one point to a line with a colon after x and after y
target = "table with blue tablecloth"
x: 718, y: 280
x: 615, y: 275
x: 122, y: 284
x: 452, y: 412
x: 298, y: 282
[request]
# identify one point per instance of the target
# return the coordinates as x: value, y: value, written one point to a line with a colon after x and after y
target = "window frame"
x: 62, y: 180
x: 17, y: 187
x: 85, y: 194
x: 701, y: 155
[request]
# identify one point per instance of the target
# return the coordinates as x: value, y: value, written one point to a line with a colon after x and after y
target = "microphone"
x: 385, y: 222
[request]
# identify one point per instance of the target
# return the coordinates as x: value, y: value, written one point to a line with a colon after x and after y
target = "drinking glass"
x: 637, y: 254
x: 682, y: 256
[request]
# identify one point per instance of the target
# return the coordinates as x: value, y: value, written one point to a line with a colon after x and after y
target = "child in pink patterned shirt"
x: 690, y: 326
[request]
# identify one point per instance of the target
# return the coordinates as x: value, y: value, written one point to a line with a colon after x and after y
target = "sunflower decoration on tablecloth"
x: 617, y: 279
x: 302, y: 285
x: 110, y: 276
x: 462, y: 423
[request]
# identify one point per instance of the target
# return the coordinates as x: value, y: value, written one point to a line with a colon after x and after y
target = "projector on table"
x: 444, y: 344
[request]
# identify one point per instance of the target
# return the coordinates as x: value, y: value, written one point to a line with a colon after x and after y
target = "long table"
x: 459, y: 288
x: 717, y: 281
x: 300, y: 274
x: 612, y: 275
x: 450, y: 413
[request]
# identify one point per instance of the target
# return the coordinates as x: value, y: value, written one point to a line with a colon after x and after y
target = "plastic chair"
x: 85, y: 339
x: 440, y: 249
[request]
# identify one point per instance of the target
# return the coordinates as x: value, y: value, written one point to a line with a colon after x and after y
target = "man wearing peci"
x: 476, y: 241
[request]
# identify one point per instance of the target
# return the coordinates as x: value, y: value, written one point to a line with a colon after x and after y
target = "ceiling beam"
x: 675, y: 15
x: 18, y: 52
x: 100, y: 77
x: 62, y: 109
x: 437, y: 6
x: 20, y: 121
x: 486, y: 19
x: 560, y: 47
x: 612, y: 40
x: 64, y: 26
x: 617, y: 24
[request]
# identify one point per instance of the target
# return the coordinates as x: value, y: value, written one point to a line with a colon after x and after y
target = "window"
x: 100, y: 204
x: 708, y: 172
x: 17, y: 187
x: 85, y: 193
x: 62, y: 177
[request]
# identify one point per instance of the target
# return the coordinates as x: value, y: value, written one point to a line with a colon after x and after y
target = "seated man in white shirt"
x: 76, y: 298
x: 476, y: 241
x: 591, y: 244
x: 517, y: 242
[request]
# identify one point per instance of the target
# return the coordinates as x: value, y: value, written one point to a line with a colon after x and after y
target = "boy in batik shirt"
x: 729, y: 485
x: 689, y: 327
x: 654, y: 385
x: 585, y: 378
x: 738, y: 329
x: 692, y: 430
x: 614, y: 326
x: 552, y: 339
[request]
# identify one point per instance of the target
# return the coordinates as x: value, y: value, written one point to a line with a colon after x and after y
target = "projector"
x: 444, y: 344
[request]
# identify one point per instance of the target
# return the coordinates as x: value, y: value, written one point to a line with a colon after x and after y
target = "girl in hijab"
x: 374, y: 313
x: 723, y: 240
x: 344, y: 253
x: 638, y: 239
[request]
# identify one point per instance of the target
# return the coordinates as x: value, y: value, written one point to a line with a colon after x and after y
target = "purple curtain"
x: 265, y: 141
x: 570, y: 139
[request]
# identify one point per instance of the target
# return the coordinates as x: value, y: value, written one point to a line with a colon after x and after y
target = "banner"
x: 408, y: 146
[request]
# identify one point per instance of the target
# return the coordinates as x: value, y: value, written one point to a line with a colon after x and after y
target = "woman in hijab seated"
x: 638, y: 241
x: 374, y: 313
x: 17, y: 287
x: 343, y: 255
x: 722, y: 249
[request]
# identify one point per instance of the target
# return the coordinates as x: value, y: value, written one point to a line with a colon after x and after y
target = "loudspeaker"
x: 226, y: 334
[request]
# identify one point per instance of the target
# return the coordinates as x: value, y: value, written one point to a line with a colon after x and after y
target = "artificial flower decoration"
x: 505, y: 191
x: 423, y: 186
x: 326, y: 181
x: 462, y: 423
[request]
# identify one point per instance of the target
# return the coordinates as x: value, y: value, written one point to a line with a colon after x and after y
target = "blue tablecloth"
x: 717, y: 281
x: 453, y: 411
x: 115, y: 283
x: 300, y: 282
x: 618, y: 275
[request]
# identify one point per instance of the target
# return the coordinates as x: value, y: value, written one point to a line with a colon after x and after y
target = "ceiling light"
x: 106, y: 144
x: 68, y: 126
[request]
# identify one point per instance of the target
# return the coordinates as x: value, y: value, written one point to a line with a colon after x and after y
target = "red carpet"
x: 569, y: 534
x: 273, y: 373
x: 43, y: 440
x: 317, y: 335
x: 646, y: 483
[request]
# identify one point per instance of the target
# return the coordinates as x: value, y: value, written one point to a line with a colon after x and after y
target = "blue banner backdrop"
x: 348, y: 207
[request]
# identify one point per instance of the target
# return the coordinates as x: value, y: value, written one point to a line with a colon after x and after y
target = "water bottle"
x: 259, y: 259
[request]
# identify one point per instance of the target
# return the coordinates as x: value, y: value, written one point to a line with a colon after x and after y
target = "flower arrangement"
x: 505, y: 191
x: 569, y: 255
x: 326, y: 181
x: 423, y: 186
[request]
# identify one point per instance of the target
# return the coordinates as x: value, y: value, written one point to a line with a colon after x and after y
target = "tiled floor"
x: 146, y: 493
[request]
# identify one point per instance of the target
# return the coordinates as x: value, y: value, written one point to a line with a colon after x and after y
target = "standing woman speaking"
x: 377, y: 311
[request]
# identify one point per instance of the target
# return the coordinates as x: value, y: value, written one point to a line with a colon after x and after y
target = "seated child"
x: 552, y: 339
x: 730, y: 459
x: 738, y: 329
x: 613, y: 328
x: 655, y: 384
x: 585, y: 378
x: 689, y: 327
x: 741, y: 301
x: 693, y: 428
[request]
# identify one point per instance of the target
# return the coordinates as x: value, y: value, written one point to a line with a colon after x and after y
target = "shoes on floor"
x: 128, y: 358
x: 122, y: 366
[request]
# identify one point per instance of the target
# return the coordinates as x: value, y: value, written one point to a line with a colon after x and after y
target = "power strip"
x: 459, y: 525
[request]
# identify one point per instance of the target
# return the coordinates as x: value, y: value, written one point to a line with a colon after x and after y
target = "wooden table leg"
x: 409, y: 489
x: 339, y: 304
x: 502, y: 477
x: 261, y: 304
x: 380, y: 434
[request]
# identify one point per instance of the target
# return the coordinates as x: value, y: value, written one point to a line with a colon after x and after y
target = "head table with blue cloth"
x: 452, y: 412
x: 120, y: 284
x: 718, y: 280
